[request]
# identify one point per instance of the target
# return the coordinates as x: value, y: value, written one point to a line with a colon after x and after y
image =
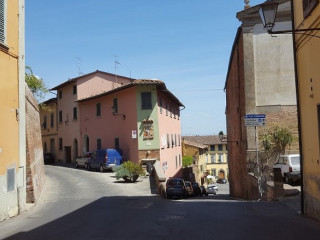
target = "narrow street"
x: 78, y: 204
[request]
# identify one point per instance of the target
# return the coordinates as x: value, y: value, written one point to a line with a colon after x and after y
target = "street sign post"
x: 255, y: 120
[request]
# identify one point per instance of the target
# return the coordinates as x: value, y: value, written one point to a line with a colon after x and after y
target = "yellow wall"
x: 218, y: 166
x: 9, y: 102
x: 308, y: 62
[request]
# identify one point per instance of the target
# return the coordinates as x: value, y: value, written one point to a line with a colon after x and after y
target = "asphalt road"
x: 77, y: 204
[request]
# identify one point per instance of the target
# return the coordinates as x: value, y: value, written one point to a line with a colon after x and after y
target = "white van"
x: 290, y: 167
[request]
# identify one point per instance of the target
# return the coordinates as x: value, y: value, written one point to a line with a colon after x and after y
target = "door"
x: 67, y: 151
x: 221, y: 174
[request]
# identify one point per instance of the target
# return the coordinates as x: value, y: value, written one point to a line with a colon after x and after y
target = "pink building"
x: 68, y: 111
x: 142, y: 118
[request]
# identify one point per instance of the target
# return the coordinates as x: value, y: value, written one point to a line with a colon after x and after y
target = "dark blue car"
x: 176, y: 188
x: 105, y: 159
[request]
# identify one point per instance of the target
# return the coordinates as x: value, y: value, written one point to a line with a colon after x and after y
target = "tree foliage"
x: 36, y: 84
x: 187, y: 161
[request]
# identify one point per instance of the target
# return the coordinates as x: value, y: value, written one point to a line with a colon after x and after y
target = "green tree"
x: 187, y: 161
x: 36, y: 84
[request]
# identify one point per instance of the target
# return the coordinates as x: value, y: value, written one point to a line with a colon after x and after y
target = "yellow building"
x: 307, y: 15
x: 215, y: 157
x: 49, y: 126
x: 199, y: 153
x: 12, y: 108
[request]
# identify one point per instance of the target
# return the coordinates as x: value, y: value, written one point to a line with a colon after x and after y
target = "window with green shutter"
x: 308, y: 6
x: 2, y: 21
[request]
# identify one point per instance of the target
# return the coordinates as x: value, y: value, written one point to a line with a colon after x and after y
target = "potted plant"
x: 129, y: 171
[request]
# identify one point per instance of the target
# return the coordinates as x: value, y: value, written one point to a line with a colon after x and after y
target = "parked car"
x: 189, y: 188
x: 212, y: 189
x: 196, y: 189
x: 176, y: 188
x: 83, y: 161
x: 290, y: 167
x: 48, y: 158
x: 203, y: 191
x: 222, y: 180
x: 105, y: 159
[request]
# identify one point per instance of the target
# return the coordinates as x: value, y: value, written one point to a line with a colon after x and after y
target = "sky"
x: 185, y: 43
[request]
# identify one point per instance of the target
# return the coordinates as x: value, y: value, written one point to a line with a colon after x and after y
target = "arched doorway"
x: 222, y: 173
x: 75, y: 149
x: 86, y: 144
x: 45, y: 149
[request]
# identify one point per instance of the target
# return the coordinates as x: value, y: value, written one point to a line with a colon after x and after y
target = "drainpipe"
x: 21, y: 112
x: 298, y: 102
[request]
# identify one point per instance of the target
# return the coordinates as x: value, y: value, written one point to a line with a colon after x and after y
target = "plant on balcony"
x: 129, y: 171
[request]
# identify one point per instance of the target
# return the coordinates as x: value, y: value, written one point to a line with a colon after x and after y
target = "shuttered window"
x: 2, y: 21
x: 308, y: 6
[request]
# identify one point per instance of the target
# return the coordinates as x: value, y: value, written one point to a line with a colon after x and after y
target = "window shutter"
x: 2, y: 21
x: 308, y: 6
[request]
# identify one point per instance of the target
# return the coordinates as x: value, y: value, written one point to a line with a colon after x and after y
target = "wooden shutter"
x: 2, y: 21
x: 308, y: 6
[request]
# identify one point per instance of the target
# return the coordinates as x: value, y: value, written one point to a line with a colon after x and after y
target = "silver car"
x: 212, y: 189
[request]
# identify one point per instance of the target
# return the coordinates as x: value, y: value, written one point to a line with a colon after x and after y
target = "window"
x: 168, y: 141
x: 98, y: 106
x: 115, y: 105
x: 176, y: 162
x: 75, y: 113
x: 220, y: 148
x: 213, y: 172
x: 60, y: 116
x: 179, y: 160
x: 179, y: 139
x: 308, y: 6
x: 74, y: 90
x: 212, y: 147
x: 98, y: 143
x: 3, y: 21
x: 175, y: 140
x: 146, y: 100
x: 213, y: 158
x: 60, y: 143
x: 220, y: 158
x: 52, y: 120
x: 60, y: 94
x: 116, y: 143
x: 160, y: 104
x: 44, y: 125
x: 172, y: 142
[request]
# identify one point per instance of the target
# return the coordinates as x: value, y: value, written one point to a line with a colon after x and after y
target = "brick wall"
x: 35, y: 175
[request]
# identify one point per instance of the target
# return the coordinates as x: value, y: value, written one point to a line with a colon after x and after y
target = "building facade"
x: 260, y: 80
x: 12, y: 109
x: 68, y: 112
x: 141, y: 118
x: 307, y: 44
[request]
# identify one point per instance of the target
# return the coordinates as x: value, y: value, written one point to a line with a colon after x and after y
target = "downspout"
x: 21, y: 113
x: 298, y: 102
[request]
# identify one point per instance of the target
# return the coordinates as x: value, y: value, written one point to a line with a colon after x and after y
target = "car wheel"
x: 77, y: 165
x: 101, y: 168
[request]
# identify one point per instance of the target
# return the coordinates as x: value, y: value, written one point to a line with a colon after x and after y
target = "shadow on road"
x: 157, y: 218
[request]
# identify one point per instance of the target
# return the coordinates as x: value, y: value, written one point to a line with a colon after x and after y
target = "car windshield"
x: 175, y: 182
x: 295, y: 160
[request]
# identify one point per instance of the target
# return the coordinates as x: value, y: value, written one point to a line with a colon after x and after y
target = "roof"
x: 50, y: 100
x: 139, y: 82
x: 206, y: 140
x: 92, y: 73
x: 194, y: 144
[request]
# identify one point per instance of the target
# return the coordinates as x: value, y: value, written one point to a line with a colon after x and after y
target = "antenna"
x: 115, y: 67
x: 79, y: 66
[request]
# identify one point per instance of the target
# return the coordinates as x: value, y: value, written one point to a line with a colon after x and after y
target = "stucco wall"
x: 35, y: 175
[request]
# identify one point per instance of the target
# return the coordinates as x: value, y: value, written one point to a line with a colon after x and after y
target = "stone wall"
x: 35, y: 175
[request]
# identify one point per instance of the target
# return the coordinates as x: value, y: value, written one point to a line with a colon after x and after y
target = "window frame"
x: 52, y: 120
x: 75, y: 113
x: 308, y: 6
x: 60, y: 116
x: 115, y: 105
x: 98, y: 110
x: 146, y: 100
x: 99, y: 143
x: 74, y: 89
x: 60, y: 143
x: 3, y: 38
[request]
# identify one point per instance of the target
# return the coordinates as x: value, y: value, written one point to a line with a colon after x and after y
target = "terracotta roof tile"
x: 206, y: 140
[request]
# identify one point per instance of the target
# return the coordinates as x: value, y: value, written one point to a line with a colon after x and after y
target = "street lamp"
x: 268, y: 12
x: 223, y: 138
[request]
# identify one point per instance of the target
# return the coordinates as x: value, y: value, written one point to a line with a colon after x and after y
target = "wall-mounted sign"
x: 134, y: 133
x: 147, y: 131
x: 255, y: 120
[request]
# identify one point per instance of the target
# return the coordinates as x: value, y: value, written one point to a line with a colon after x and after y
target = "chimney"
x: 247, y: 4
